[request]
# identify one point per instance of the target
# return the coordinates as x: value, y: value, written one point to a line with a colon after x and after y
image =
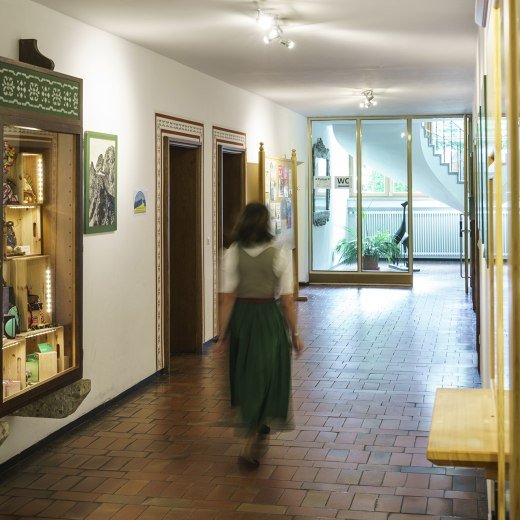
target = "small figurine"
x: 10, y: 237
x: 9, y: 156
x: 29, y: 197
x: 8, y: 192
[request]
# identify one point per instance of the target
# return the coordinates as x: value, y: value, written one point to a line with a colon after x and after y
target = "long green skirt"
x: 259, y: 362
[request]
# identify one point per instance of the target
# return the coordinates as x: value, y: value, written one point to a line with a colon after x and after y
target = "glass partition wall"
x: 363, y: 214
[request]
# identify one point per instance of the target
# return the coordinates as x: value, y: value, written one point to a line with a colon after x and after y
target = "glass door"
x: 384, y: 196
x: 334, y: 202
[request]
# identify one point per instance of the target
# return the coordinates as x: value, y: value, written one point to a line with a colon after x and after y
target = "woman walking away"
x: 258, y: 318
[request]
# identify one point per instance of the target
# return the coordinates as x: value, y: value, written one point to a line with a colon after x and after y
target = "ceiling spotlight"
x: 273, y: 33
x: 264, y: 20
x: 369, y: 100
x: 271, y: 28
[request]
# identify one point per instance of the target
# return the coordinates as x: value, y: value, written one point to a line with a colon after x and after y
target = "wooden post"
x: 512, y: 45
x: 261, y: 171
x: 496, y: 202
x: 296, y: 290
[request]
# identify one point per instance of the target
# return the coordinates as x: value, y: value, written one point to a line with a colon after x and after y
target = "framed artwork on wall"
x: 321, y: 183
x: 100, y: 191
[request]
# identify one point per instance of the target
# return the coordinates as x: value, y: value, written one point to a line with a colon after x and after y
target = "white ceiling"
x: 418, y: 56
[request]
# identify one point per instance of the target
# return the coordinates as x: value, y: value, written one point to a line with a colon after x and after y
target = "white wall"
x: 124, y: 86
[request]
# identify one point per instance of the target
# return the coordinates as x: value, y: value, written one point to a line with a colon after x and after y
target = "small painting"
x: 100, y: 182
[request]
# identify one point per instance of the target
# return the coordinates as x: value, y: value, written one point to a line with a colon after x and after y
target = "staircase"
x: 446, y: 139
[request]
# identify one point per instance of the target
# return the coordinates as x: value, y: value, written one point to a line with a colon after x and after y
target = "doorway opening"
x: 182, y: 238
x: 231, y: 197
x: 231, y: 192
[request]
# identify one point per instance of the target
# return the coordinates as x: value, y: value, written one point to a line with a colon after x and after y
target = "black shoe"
x: 264, y: 430
x: 249, y: 461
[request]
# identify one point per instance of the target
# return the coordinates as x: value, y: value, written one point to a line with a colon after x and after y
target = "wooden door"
x: 184, y: 249
x: 231, y: 192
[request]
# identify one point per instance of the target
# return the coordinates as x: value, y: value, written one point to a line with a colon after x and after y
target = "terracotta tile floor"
x: 362, y: 401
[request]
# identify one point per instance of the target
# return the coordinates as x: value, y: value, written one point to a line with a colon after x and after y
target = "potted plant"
x: 379, y: 245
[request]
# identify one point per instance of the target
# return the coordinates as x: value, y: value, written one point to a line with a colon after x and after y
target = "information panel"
x: 279, y: 199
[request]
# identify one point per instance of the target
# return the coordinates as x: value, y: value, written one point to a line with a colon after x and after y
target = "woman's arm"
x: 289, y: 312
x: 228, y: 285
x: 227, y: 301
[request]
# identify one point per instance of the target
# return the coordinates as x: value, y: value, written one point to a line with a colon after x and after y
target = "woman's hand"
x: 221, y: 343
x: 297, y: 343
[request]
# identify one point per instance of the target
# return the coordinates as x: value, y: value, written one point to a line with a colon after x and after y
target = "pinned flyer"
x: 321, y: 182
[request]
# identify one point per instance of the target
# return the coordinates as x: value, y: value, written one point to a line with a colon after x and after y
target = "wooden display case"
x: 41, y: 238
x: 13, y: 373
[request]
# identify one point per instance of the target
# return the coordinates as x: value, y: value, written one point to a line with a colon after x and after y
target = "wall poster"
x: 279, y: 199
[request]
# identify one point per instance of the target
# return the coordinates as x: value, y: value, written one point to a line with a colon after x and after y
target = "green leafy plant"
x: 379, y: 245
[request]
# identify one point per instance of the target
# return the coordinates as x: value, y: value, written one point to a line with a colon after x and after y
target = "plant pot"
x: 370, y: 263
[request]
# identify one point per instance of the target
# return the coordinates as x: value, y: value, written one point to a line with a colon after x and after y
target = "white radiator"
x: 435, y: 232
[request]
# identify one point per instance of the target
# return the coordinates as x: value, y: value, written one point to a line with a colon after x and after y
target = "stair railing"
x: 446, y: 138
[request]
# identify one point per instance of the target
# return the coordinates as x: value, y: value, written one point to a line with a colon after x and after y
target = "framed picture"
x: 100, y: 182
x: 320, y: 177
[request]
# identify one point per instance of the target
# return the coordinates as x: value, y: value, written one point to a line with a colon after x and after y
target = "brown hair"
x: 253, y: 226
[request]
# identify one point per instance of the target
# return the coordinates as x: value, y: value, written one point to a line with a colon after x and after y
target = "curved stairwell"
x: 437, y: 170
x: 446, y: 139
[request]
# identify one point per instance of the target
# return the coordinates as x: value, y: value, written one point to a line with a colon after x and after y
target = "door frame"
x: 232, y: 140
x: 166, y: 128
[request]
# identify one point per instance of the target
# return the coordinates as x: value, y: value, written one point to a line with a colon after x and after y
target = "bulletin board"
x: 279, y: 188
x: 278, y: 197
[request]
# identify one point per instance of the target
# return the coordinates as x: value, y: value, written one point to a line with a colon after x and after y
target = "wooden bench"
x: 464, y: 429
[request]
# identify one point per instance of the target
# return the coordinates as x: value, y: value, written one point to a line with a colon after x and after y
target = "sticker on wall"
x: 140, y: 202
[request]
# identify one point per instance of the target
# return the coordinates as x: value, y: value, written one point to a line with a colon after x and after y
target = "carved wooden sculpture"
x: 28, y: 53
x: 400, y: 232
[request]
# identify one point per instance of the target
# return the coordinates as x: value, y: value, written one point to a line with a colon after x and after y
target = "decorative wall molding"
x: 30, y: 88
x: 232, y: 139
x: 182, y: 129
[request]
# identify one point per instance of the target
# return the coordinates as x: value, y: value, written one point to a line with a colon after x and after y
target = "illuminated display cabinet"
x: 41, y: 253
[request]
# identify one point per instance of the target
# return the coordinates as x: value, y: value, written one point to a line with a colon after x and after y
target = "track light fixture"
x: 272, y: 34
x: 265, y: 20
x: 270, y: 26
x: 369, y: 99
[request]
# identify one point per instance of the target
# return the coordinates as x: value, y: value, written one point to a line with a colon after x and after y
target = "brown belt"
x: 255, y: 300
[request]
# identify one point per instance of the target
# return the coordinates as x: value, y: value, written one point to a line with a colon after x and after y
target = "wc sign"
x: 342, y: 182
